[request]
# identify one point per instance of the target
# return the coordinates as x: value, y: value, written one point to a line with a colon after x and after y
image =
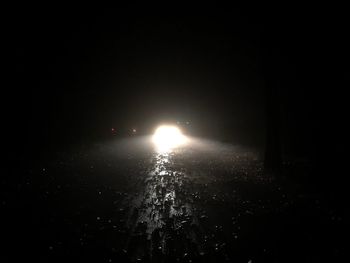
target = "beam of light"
x: 168, y: 137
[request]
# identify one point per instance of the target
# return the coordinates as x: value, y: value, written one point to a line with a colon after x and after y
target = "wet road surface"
x: 126, y: 202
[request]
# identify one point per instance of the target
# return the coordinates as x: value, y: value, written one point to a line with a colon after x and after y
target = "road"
x: 122, y: 201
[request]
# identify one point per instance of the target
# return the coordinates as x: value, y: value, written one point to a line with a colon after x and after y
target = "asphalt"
x: 122, y: 201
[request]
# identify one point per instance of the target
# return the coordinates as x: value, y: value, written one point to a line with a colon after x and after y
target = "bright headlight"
x: 168, y: 137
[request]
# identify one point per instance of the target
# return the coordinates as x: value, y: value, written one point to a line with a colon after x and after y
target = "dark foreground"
x: 119, y: 202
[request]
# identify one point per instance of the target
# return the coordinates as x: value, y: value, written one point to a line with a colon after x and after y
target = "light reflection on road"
x: 165, y: 204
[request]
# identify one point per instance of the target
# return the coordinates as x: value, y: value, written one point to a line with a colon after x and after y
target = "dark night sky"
x: 81, y: 70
